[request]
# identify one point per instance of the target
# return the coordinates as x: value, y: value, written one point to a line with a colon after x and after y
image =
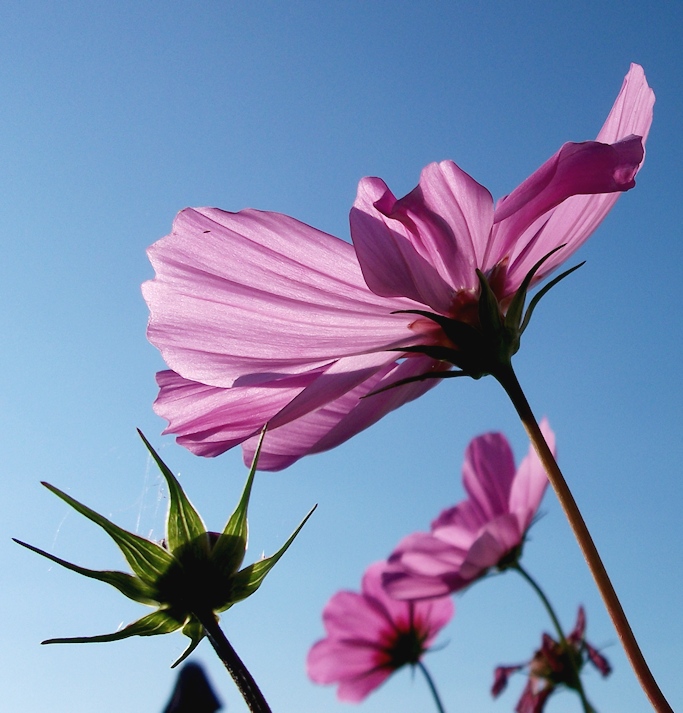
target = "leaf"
x: 248, y: 580
x: 147, y: 559
x: 158, y: 622
x: 132, y: 587
x: 183, y: 524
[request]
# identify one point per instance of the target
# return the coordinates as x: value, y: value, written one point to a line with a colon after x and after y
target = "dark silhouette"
x: 192, y: 692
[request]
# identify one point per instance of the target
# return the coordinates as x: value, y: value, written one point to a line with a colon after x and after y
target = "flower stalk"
x: 587, y: 707
x: 507, y: 378
x: 432, y: 687
x: 244, y: 681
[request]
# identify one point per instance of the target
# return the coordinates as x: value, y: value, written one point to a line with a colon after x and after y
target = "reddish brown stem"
x: 508, y: 380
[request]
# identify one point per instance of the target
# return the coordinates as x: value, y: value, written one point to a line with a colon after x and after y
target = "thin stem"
x: 587, y: 707
x: 432, y: 687
x: 508, y: 381
x: 236, y: 668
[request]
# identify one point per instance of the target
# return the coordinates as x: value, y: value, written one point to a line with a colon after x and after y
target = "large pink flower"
x: 485, y: 531
x: 262, y: 318
x: 369, y: 636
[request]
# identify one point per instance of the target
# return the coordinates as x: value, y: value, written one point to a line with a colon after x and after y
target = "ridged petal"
x: 339, y: 420
x: 487, y: 474
x: 209, y: 420
x: 386, y: 244
x: 531, y: 481
x: 253, y: 295
x: 588, y: 170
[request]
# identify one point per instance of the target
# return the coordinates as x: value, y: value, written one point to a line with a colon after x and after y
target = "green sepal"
x: 489, y: 311
x: 420, y: 377
x: 513, y: 317
x: 132, y: 587
x: 195, y: 631
x: 147, y: 559
x: 541, y: 293
x: 228, y: 552
x: 158, y: 622
x: 249, y: 579
x: 183, y: 523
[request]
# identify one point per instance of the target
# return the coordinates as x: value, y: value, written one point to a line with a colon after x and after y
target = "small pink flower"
x: 553, y: 665
x: 485, y: 531
x: 369, y: 636
x: 261, y: 318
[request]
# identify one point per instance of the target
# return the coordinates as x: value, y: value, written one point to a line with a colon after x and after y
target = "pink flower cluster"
x: 485, y: 531
x: 405, y: 602
x: 262, y: 318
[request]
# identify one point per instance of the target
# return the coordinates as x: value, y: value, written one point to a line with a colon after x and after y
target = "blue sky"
x: 113, y: 118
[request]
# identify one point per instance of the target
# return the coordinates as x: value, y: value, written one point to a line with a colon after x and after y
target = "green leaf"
x: 132, y: 587
x: 183, y: 524
x: 248, y: 580
x: 147, y: 559
x: 195, y: 631
x: 158, y: 622
x: 228, y: 552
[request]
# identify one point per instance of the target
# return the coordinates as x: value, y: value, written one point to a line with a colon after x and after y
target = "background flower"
x: 552, y: 666
x: 484, y: 531
x: 369, y: 636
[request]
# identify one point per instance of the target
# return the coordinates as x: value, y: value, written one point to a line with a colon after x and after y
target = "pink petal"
x: 572, y: 222
x: 531, y: 481
x: 632, y: 110
x: 598, y: 660
x: 349, y: 616
x: 465, y: 516
x: 427, y: 555
x: 333, y: 661
x: 488, y: 472
x: 257, y: 293
x: 576, y: 169
x: 357, y: 689
x: 349, y: 414
x: 501, y: 676
x: 209, y: 420
x: 434, y: 614
x: 400, y: 584
x: 391, y: 265
x: 447, y: 219
x: 497, y: 539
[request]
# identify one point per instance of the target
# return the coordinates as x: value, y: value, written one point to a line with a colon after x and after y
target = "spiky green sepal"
x: 193, y: 573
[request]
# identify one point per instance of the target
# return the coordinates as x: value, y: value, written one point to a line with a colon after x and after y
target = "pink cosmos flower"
x: 262, y: 318
x: 487, y: 530
x: 551, y: 666
x: 369, y: 636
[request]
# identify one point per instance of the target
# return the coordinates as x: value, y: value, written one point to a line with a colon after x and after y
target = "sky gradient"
x: 114, y: 118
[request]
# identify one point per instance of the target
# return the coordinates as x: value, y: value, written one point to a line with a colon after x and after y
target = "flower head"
x: 192, y: 574
x: 554, y: 665
x: 370, y: 635
x: 485, y: 531
x: 261, y: 318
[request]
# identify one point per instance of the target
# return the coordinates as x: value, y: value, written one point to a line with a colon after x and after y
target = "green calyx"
x: 488, y: 347
x: 195, y: 573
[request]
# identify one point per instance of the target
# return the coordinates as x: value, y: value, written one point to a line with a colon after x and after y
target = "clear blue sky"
x: 114, y: 117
